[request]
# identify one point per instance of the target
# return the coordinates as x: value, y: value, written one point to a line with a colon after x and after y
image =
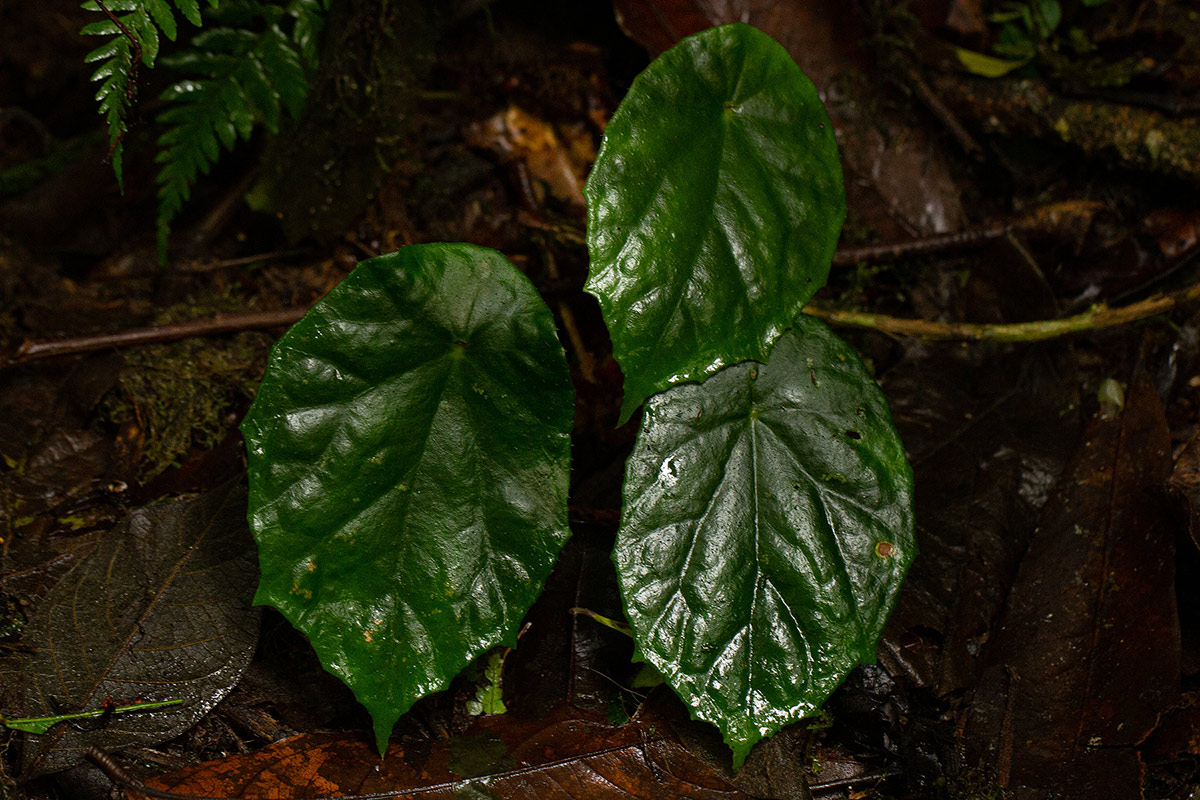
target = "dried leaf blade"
x: 160, y: 610
x: 566, y: 755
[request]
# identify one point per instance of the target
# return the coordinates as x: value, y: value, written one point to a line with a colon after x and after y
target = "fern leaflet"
x: 240, y: 78
x: 133, y: 27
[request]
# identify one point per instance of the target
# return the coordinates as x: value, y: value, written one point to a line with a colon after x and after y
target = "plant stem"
x: 42, y: 724
x: 32, y: 349
x: 1098, y: 317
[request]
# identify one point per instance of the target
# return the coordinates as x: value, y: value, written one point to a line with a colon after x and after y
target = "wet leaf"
x: 564, y: 755
x: 1185, y: 484
x: 409, y: 459
x: 713, y: 209
x: 489, y: 686
x: 159, y: 610
x: 766, y: 529
x: 899, y: 178
x: 988, y: 434
x: 1087, y: 655
x: 985, y: 65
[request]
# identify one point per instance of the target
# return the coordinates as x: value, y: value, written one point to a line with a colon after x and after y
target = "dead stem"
x: 1098, y: 317
x: 34, y: 349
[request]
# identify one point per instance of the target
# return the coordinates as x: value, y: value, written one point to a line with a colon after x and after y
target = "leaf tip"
x: 629, y: 404
x: 383, y: 724
x: 741, y: 749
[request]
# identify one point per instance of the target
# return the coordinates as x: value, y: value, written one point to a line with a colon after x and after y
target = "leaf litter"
x: 1086, y: 655
x: 160, y: 610
x: 986, y: 456
x: 566, y: 754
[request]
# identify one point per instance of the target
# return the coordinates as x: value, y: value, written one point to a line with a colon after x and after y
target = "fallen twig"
x: 926, y: 245
x: 1098, y: 317
x: 955, y: 128
x: 33, y: 349
x: 1055, y: 218
x: 856, y: 780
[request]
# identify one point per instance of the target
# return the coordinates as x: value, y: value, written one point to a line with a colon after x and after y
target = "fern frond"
x: 306, y: 32
x: 113, y: 95
x: 133, y: 26
x: 240, y: 78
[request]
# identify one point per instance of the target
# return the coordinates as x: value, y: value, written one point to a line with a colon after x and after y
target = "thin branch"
x: 823, y: 787
x: 1054, y: 218
x: 965, y: 140
x: 33, y: 349
x: 1096, y: 318
x: 926, y: 245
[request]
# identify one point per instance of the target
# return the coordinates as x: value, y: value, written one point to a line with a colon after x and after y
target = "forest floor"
x: 1046, y: 642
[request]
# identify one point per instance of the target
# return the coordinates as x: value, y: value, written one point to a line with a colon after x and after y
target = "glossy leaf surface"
x: 713, y: 208
x: 767, y: 526
x: 409, y: 458
x: 160, y: 610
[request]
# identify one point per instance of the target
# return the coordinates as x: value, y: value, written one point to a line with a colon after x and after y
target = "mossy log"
x: 1131, y: 136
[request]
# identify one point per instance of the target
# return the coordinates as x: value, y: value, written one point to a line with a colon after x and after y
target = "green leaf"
x: 713, y: 209
x: 489, y: 686
x: 1047, y: 14
x: 766, y: 528
x: 1014, y: 43
x: 161, y: 11
x: 987, y: 66
x: 190, y: 10
x: 409, y: 457
x: 244, y: 78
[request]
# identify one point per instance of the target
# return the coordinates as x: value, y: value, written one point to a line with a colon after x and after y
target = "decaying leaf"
x: 1088, y: 652
x: 566, y: 754
x: 159, y: 610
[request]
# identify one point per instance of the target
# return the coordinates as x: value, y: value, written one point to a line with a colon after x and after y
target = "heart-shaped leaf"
x: 409, y: 458
x: 160, y: 610
x: 767, y: 526
x: 713, y: 208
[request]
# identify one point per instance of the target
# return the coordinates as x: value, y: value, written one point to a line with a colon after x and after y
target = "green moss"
x: 183, y: 395
x: 975, y: 785
x: 1139, y: 137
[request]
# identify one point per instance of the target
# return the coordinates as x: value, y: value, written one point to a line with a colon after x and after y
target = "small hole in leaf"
x: 855, y: 435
